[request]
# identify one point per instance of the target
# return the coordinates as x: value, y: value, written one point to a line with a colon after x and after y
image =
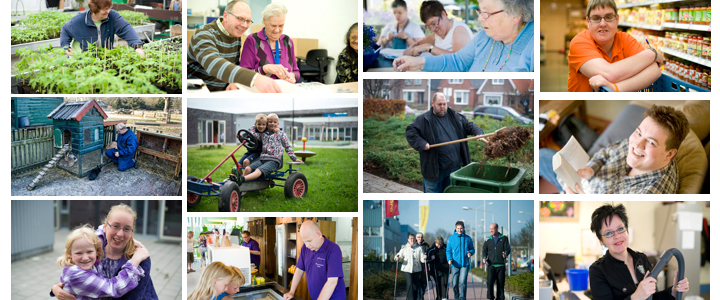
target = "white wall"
x: 327, y: 21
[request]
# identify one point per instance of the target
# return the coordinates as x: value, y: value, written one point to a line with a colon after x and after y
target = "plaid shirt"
x: 90, y: 284
x: 611, y: 169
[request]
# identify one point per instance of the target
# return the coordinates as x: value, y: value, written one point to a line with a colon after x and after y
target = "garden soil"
x: 507, y: 140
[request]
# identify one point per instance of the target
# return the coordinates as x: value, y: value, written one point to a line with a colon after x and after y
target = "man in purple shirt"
x: 254, y: 248
x: 321, y: 259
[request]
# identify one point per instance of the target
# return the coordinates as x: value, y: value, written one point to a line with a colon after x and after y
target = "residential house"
x: 468, y: 94
x: 460, y: 93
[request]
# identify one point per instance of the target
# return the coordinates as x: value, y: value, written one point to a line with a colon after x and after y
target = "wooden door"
x: 353, y: 294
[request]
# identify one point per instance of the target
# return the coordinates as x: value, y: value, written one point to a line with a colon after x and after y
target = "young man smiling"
x: 602, y: 56
x: 641, y: 164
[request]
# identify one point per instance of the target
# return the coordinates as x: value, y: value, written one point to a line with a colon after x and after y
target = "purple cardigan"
x: 257, y: 52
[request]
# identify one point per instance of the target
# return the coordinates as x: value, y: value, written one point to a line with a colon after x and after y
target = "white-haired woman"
x: 269, y: 51
x: 505, y: 43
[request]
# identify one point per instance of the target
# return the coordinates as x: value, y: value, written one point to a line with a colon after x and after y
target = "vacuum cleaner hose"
x: 664, y: 259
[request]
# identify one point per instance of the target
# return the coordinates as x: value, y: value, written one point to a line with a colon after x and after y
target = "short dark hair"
x: 245, y: 232
x: 429, y: 9
x: 592, y: 4
x: 399, y: 3
x: 604, y: 214
x: 673, y: 121
x: 411, y: 235
x: 460, y: 223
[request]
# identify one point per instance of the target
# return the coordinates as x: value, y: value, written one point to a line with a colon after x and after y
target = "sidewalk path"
x: 480, y: 291
x: 376, y: 184
x: 33, y: 277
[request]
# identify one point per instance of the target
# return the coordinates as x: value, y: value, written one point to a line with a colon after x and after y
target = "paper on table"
x: 395, y: 53
x: 568, y: 160
x: 688, y: 239
x: 688, y: 220
x: 287, y: 87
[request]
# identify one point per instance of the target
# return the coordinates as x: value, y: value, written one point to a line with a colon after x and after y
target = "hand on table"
x: 231, y: 87
x: 408, y: 63
x: 288, y: 296
x: 278, y: 70
x: 291, y: 78
x: 266, y: 85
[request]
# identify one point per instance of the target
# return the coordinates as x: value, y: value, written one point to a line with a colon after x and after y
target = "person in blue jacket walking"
x: 100, y: 23
x: 123, y: 154
x: 460, y: 248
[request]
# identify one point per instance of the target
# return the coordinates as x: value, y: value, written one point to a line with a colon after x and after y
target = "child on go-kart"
x: 273, y: 143
x: 257, y: 130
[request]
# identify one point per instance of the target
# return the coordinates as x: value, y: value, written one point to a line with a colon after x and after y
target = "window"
x: 408, y: 81
x: 418, y: 81
x: 455, y: 81
x: 447, y: 91
x: 409, y: 96
x: 371, y: 230
x: 498, y: 81
x: 493, y: 100
x: 461, y: 97
x: 421, y: 97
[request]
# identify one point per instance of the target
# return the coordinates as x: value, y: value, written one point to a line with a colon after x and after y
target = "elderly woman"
x: 448, y: 36
x: 623, y: 273
x: 413, y: 258
x: 347, y: 66
x: 101, y: 24
x: 268, y: 51
x: 116, y: 234
x: 505, y: 44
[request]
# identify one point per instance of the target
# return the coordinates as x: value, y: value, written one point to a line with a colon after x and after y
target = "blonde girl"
x: 82, y: 275
x: 213, y: 282
x: 238, y: 279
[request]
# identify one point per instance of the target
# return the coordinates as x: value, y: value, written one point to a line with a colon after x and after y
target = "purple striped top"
x: 91, y: 284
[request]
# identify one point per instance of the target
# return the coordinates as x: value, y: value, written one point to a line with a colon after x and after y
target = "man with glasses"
x: 602, y: 56
x: 214, y: 53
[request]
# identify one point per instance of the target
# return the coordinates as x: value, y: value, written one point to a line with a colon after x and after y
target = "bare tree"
x: 526, y: 236
x: 379, y: 88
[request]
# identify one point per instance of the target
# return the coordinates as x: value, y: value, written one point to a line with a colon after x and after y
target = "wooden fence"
x: 31, y: 147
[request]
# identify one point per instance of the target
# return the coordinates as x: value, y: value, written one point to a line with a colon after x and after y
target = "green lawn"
x: 385, y: 149
x: 332, y: 177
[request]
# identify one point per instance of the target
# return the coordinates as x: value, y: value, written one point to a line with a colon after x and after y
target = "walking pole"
x: 396, y: 268
x: 481, y: 284
x: 473, y: 282
x: 427, y: 279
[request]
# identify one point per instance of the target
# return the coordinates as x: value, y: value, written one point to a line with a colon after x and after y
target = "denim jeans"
x: 460, y: 274
x: 439, y: 186
x: 546, y: 167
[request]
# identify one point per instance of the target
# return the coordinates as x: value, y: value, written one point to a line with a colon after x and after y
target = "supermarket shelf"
x: 647, y: 3
x: 692, y: 58
x: 641, y: 25
x: 695, y: 27
x: 682, y: 85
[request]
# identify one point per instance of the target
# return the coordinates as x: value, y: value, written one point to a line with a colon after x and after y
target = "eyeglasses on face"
x: 610, y: 234
x: 608, y: 18
x: 241, y: 20
x: 433, y: 25
x: 118, y: 228
x: 485, y: 15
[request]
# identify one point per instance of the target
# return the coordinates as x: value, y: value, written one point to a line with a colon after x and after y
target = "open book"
x: 568, y: 161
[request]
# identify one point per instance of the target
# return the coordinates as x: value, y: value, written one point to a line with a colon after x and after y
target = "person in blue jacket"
x: 460, y: 248
x: 100, y: 23
x: 123, y: 154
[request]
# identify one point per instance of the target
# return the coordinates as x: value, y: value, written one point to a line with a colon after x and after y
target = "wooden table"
x: 563, y: 108
x: 348, y: 87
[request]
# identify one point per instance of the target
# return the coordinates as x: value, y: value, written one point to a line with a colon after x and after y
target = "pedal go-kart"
x: 230, y: 192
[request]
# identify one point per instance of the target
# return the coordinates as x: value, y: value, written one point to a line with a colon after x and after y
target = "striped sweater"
x: 213, y: 56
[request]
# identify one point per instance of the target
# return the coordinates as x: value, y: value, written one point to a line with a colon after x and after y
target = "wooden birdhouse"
x: 79, y: 127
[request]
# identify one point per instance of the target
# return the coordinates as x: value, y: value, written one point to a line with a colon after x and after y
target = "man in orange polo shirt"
x: 602, y: 56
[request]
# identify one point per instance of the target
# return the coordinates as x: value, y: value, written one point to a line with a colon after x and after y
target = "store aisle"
x: 554, y: 73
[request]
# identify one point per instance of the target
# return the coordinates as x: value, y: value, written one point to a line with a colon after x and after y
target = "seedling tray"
x: 55, y: 43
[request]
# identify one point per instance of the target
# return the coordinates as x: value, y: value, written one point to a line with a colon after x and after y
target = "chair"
x: 315, y: 66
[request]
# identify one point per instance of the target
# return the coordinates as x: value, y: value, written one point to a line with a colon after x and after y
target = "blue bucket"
x: 577, y: 279
x: 24, y: 122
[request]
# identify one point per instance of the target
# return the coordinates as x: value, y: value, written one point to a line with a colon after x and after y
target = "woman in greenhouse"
x: 101, y: 23
x: 505, y: 43
x: 268, y: 51
x: 347, y: 66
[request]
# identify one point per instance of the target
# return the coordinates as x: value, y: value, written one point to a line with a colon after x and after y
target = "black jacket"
x: 610, y: 279
x: 440, y: 263
x: 421, y: 132
x: 493, y: 252
x: 425, y: 248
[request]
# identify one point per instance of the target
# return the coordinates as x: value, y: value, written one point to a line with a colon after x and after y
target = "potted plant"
x: 371, y: 50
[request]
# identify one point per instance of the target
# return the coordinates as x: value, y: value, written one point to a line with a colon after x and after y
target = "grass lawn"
x: 385, y: 149
x: 332, y: 177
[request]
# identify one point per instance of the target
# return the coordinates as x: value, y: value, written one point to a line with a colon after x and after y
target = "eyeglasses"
x: 118, y: 228
x: 608, y: 18
x: 241, y: 20
x: 611, y: 233
x: 488, y: 15
x: 434, y: 24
